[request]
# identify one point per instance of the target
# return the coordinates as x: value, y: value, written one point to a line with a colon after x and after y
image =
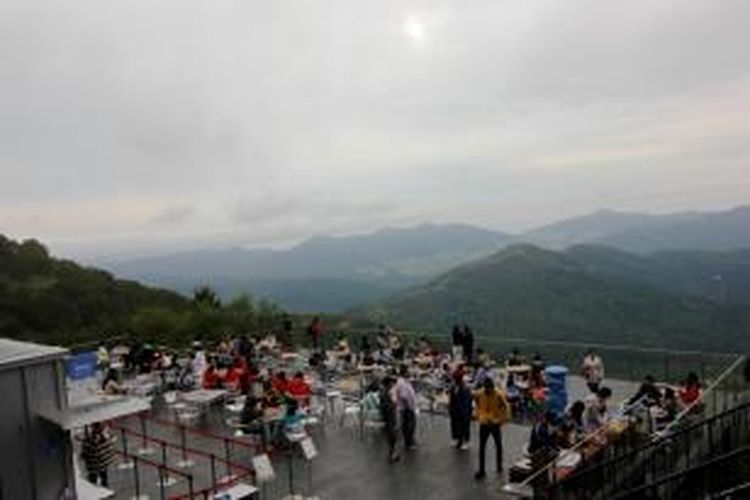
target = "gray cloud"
x: 278, y: 120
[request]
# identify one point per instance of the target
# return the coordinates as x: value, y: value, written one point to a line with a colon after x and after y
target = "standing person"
x: 389, y: 413
x: 406, y: 402
x: 287, y: 326
x: 493, y: 411
x: 459, y: 407
x: 592, y: 369
x: 457, y: 338
x: 315, y: 330
x: 468, y: 344
x: 98, y: 453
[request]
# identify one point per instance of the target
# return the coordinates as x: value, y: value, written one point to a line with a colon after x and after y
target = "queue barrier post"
x: 144, y: 450
x: 127, y: 463
x: 136, y: 478
x: 185, y: 462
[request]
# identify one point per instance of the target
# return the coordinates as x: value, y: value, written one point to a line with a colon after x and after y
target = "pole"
x: 213, y: 473
x: 162, y: 493
x: 291, y: 470
x: 145, y: 450
x: 185, y: 462
x: 137, y: 481
x: 127, y: 463
x: 228, y: 456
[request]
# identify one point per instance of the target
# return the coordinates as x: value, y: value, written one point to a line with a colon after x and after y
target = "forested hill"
x: 58, y: 301
x: 584, y: 294
x: 45, y: 298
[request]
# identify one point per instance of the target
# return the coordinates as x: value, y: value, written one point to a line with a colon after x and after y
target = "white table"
x: 203, y: 397
x: 239, y: 491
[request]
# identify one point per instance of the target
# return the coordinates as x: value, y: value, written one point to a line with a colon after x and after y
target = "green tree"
x: 205, y: 299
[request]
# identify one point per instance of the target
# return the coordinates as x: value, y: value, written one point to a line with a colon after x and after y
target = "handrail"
x: 654, y: 443
x: 658, y: 435
x: 590, y: 437
x: 554, y: 342
x: 664, y: 432
x: 193, y: 451
x: 690, y: 470
x: 669, y: 431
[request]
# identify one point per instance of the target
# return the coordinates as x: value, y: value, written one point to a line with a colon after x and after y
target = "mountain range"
x: 586, y: 293
x: 334, y: 274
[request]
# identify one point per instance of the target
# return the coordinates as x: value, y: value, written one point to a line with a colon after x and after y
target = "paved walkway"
x: 351, y: 468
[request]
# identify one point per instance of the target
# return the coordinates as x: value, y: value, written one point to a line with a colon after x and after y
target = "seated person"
x: 371, y: 403
x: 233, y: 377
x: 597, y: 410
x: 668, y: 408
x: 690, y: 391
x: 647, y: 393
x: 514, y: 359
x: 271, y: 397
x: 342, y: 351
x: 110, y: 385
x: 396, y: 346
x: 565, y: 437
x: 280, y: 382
x: 537, y: 388
x: 537, y: 363
x: 542, y: 438
x: 423, y: 346
x: 299, y: 389
x: 511, y: 389
x: 575, y: 417
x: 252, y: 411
x: 292, y: 417
x: 368, y: 359
x: 186, y: 378
x: 365, y: 350
x: 248, y: 377
x: 211, y: 379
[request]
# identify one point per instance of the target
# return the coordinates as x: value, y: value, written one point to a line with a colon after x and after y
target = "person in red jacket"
x: 280, y: 382
x: 211, y: 379
x: 691, y: 391
x: 234, y: 375
x: 299, y: 389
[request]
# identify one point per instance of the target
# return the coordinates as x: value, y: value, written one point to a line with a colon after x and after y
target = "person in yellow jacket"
x: 492, y: 411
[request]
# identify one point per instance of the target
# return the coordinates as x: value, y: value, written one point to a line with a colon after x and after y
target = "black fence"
x: 688, y: 448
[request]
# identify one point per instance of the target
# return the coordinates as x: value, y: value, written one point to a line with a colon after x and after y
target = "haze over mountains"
x: 337, y: 273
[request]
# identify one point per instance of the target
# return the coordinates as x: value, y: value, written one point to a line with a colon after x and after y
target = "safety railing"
x: 713, y: 424
x: 546, y: 474
x: 201, y: 468
x: 626, y: 362
x: 723, y: 476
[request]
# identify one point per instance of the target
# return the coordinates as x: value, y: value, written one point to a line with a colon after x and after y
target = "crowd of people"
x: 489, y: 390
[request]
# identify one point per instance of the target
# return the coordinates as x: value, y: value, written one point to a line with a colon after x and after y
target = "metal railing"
x: 713, y: 424
x: 625, y: 362
x: 715, y: 478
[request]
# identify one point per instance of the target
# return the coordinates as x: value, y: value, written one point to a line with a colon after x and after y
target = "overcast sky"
x: 147, y: 125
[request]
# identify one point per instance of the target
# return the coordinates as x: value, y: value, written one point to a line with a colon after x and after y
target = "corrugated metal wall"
x: 35, y: 458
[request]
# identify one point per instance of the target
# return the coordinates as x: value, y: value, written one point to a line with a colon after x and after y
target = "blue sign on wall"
x: 82, y: 366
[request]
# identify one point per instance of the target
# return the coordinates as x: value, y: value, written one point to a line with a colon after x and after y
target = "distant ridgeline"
x: 679, y: 300
x: 57, y: 301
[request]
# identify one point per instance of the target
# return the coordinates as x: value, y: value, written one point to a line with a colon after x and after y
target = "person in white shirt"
x: 592, y: 370
x: 199, y: 361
